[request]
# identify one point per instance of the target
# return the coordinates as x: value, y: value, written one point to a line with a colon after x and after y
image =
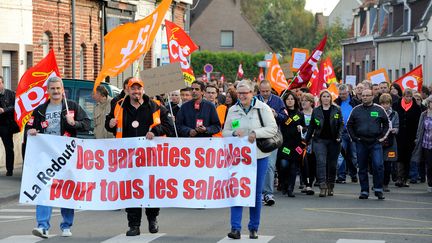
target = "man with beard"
x: 137, y: 115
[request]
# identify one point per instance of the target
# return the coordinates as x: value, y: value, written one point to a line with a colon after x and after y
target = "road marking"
x: 143, y: 238
x: 359, y: 241
x: 22, y: 239
x: 387, y: 199
x: 14, y: 217
x: 368, y: 208
x: 367, y: 215
x: 23, y: 210
x: 245, y: 238
x: 371, y: 231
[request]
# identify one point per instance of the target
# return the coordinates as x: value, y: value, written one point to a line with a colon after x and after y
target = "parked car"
x: 81, y: 92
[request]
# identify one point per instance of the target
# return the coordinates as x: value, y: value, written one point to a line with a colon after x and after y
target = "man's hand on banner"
x: 32, y: 132
x: 150, y: 135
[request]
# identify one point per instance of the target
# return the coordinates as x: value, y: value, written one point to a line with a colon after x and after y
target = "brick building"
x: 52, y: 29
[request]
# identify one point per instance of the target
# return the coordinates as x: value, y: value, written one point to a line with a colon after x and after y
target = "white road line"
x: 359, y: 241
x: 245, y: 238
x: 22, y: 239
x: 143, y: 238
x: 23, y: 210
x: 14, y: 217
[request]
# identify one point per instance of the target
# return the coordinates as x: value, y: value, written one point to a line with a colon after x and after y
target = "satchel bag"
x: 267, y: 145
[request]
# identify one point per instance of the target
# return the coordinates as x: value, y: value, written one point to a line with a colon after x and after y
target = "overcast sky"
x: 325, y: 6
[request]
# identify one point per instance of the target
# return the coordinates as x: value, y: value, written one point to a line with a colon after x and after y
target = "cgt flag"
x: 329, y: 74
x: 305, y: 71
x: 412, y: 80
x: 276, y: 77
x: 180, y: 46
x: 126, y: 43
x: 240, y: 71
x: 32, y: 88
x: 317, y: 83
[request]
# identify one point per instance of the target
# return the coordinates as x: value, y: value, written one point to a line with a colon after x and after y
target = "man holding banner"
x: 62, y: 118
x: 135, y: 116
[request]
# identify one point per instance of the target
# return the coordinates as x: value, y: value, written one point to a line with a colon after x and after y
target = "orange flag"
x: 126, y: 43
x: 180, y: 46
x: 276, y: 77
x: 412, y: 80
x: 32, y: 88
x: 334, y: 91
x: 329, y: 74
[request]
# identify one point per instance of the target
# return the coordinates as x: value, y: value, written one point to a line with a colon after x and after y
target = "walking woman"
x: 222, y: 110
x: 308, y: 165
x: 325, y: 130
x: 243, y: 120
x: 291, y: 151
x: 423, y: 148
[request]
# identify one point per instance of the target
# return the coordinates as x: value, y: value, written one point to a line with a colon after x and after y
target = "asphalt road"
x: 404, y: 216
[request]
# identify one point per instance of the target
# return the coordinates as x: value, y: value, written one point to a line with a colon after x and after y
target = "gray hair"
x: 428, y: 100
x: 54, y: 79
x: 247, y: 84
x: 343, y: 87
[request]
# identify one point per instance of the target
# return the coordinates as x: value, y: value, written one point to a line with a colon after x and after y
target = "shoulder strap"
x: 260, y: 117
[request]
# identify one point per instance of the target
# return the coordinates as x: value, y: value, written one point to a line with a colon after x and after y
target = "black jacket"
x: 7, y: 102
x: 82, y: 121
x: 144, y: 116
x: 408, y: 123
x: 291, y: 136
x: 368, y: 123
x: 317, y: 123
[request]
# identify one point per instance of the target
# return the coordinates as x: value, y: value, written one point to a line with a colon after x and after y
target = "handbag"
x: 267, y: 145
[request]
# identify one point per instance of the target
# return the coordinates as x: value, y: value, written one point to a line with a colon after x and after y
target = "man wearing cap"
x: 55, y: 118
x: 198, y: 117
x: 137, y: 115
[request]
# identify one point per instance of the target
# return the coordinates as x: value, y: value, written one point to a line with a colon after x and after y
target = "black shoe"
x: 133, y: 231
x: 9, y: 173
x: 253, y: 234
x: 413, y: 181
x: 379, y: 195
x: 291, y: 193
x: 153, y: 226
x: 354, y: 179
x: 363, y: 196
x: 398, y: 184
x: 340, y: 181
x: 234, y: 234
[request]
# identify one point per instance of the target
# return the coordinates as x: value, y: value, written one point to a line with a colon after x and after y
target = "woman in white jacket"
x: 243, y: 120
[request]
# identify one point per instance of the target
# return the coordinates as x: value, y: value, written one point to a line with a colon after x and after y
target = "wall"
x: 395, y: 56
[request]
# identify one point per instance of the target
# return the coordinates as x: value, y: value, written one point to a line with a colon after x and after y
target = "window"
x: 86, y: 101
x: 373, y: 65
x: 95, y: 61
x: 390, y: 74
x: 347, y: 69
x: 82, y: 61
x: 406, y: 20
x: 227, y: 38
x: 29, y: 59
x: 403, y: 71
x: 6, y: 67
x: 397, y: 73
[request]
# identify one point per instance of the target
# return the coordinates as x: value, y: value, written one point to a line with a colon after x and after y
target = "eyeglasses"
x: 196, y: 89
x: 244, y: 93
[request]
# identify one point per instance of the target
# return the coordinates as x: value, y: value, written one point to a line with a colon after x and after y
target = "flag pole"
x: 66, y: 104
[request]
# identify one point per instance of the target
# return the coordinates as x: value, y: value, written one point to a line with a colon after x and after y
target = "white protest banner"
x: 378, y: 76
x: 106, y: 174
x: 351, y: 79
x: 163, y: 79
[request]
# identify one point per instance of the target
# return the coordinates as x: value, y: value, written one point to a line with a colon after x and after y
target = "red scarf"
x: 406, y: 106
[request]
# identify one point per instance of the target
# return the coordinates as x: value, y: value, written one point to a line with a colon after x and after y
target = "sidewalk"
x: 10, y: 185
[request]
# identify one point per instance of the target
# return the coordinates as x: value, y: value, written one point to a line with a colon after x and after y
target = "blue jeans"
x: 351, y: 158
x: 254, y: 212
x: 376, y: 155
x: 268, y: 187
x: 43, y: 216
x: 414, y: 170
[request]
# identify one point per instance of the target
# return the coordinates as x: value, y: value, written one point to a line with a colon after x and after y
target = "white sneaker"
x: 40, y: 232
x: 66, y: 233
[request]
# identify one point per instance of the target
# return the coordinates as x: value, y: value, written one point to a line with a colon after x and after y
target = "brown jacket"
x: 99, y: 113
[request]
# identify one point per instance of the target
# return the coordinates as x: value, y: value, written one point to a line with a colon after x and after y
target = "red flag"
x: 261, y: 75
x: 180, y: 46
x: 276, y: 76
x: 317, y: 82
x: 329, y: 74
x: 305, y: 71
x: 240, y: 71
x: 32, y: 88
x: 412, y: 80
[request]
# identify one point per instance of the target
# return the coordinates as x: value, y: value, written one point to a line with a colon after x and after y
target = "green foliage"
x: 227, y: 63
